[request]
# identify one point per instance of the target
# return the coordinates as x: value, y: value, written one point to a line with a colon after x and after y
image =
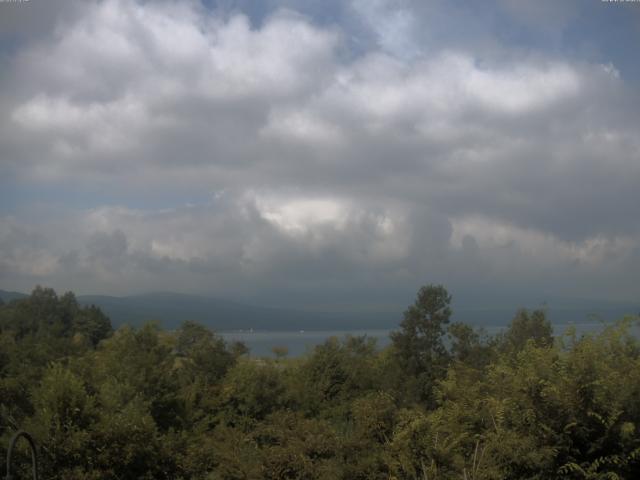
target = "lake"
x: 261, y: 343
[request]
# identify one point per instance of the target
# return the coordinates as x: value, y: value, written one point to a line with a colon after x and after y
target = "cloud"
x: 24, y: 250
x: 269, y: 246
x: 415, y: 158
x: 248, y: 240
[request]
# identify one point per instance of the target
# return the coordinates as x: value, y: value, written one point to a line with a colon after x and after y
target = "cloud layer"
x: 277, y: 158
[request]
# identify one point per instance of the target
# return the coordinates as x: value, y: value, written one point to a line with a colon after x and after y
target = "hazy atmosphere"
x: 321, y: 153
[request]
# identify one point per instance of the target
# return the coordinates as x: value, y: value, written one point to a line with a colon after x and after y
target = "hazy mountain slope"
x: 171, y: 309
x: 7, y: 296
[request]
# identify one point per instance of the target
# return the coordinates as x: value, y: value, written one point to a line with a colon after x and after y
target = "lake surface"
x: 261, y: 343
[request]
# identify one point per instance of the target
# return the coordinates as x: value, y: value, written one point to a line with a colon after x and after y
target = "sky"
x: 322, y: 154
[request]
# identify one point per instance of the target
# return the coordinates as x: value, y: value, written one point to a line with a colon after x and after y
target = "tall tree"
x: 419, y: 345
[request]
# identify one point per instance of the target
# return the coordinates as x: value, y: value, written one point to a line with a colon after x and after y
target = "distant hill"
x: 171, y: 309
x: 6, y: 296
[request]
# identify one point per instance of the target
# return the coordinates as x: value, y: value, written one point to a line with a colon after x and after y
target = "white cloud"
x: 298, y: 216
x: 491, y: 234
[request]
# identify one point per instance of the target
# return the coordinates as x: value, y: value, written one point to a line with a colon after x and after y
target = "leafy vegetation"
x: 443, y: 401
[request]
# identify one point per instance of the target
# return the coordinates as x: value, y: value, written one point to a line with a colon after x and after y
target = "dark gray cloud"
x: 420, y: 156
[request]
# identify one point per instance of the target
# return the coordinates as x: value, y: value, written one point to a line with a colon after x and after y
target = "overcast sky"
x: 321, y: 152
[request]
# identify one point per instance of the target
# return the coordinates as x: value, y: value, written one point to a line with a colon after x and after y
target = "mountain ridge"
x: 170, y: 309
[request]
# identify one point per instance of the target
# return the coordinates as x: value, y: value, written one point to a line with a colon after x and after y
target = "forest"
x: 443, y: 401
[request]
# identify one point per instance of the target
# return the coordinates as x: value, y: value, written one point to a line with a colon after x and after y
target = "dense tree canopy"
x: 443, y: 401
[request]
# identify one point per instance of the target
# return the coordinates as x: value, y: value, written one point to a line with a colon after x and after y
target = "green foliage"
x: 374, y: 415
x: 335, y: 373
x: 293, y: 447
x: 525, y: 327
x: 48, y: 318
x: 92, y: 324
x: 63, y: 415
x: 470, y: 346
x: 204, y: 354
x: 152, y: 404
x: 251, y: 391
